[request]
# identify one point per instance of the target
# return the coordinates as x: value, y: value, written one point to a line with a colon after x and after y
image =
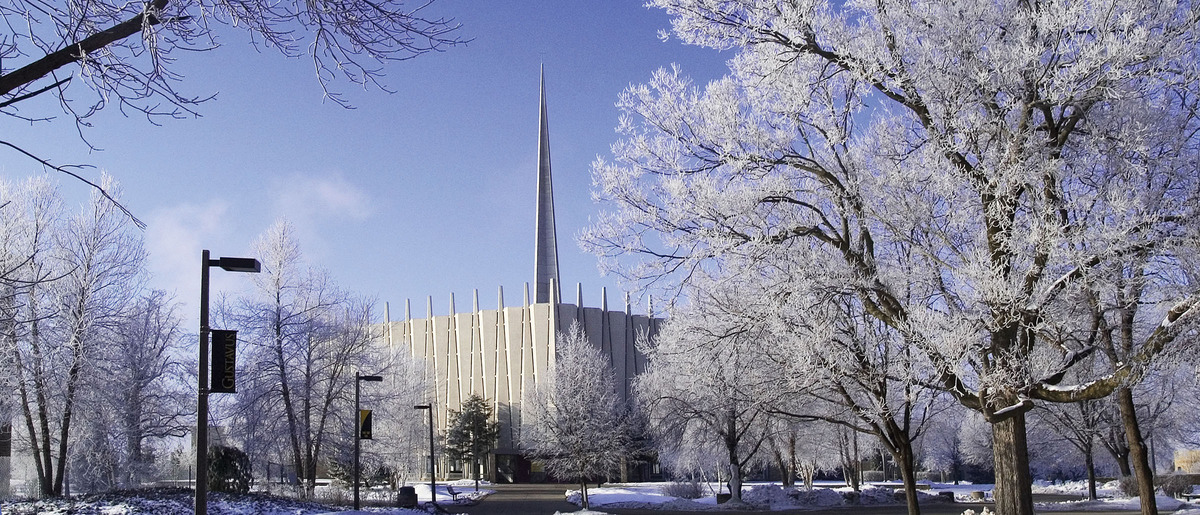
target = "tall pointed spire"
x: 545, y: 261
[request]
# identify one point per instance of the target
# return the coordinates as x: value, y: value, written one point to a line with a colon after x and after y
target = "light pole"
x: 432, y: 466
x: 358, y: 429
x: 229, y: 264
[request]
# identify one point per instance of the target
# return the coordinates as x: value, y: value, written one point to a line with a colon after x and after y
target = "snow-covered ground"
x: 1109, y: 499
x: 832, y: 494
x: 174, y: 501
x: 765, y: 495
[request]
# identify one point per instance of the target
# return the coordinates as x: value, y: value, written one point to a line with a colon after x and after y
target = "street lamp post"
x: 229, y: 264
x: 358, y: 429
x: 432, y: 465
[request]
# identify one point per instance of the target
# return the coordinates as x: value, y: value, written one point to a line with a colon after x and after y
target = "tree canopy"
x: 968, y: 173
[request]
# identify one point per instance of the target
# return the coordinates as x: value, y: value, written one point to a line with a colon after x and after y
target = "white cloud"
x: 174, y: 238
x: 321, y: 209
x: 306, y: 199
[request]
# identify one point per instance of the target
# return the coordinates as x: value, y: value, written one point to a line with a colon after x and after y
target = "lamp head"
x: 236, y: 264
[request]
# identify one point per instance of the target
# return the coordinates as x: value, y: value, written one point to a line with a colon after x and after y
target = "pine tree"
x: 472, y: 433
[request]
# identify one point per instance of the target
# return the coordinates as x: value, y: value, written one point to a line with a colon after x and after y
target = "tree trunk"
x: 1090, y: 462
x: 908, y: 473
x: 1014, y: 483
x: 735, y: 482
x: 1120, y: 453
x: 583, y: 496
x: 1137, y: 451
x: 791, y: 462
x: 856, y: 470
x: 735, y: 464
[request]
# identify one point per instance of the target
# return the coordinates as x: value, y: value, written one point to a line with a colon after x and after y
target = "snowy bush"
x: 1176, y: 485
x: 683, y: 489
x: 984, y: 512
x: 877, y: 495
x: 817, y: 497
x: 1128, y: 486
x: 768, y: 495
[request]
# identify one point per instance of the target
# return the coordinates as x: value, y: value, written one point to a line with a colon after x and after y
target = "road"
x: 546, y: 499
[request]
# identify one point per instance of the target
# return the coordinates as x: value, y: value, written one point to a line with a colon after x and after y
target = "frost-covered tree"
x: 1081, y: 424
x: 95, y: 261
x: 941, y: 448
x: 709, y: 389
x: 841, y: 365
x: 472, y: 433
x: 154, y: 401
x: 961, y: 169
x: 401, y: 441
x: 136, y: 399
x: 305, y: 338
x: 573, y: 423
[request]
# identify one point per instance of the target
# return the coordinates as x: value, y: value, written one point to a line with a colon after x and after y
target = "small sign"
x: 224, y: 362
x: 364, y: 424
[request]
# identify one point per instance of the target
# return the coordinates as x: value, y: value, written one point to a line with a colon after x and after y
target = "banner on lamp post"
x: 224, y: 362
x: 364, y: 424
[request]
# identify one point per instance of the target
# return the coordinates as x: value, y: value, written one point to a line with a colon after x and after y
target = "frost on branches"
x: 708, y: 393
x: 967, y: 172
x: 574, y: 423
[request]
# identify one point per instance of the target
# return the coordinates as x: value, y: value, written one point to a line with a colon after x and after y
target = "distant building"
x: 1187, y: 460
x: 499, y: 353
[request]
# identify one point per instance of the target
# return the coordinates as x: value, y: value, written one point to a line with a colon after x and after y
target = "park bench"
x: 453, y: 493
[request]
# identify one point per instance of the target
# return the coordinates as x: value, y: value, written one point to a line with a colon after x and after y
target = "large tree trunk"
x: 1137, y: 451
x: 907, y: 462
x: 1014, y: 484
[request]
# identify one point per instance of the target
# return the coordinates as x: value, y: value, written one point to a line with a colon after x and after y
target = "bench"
x: 1190, y: 497
x: 453, y: 493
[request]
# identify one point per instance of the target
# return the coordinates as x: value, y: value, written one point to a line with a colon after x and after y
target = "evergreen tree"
x: 472, y: 433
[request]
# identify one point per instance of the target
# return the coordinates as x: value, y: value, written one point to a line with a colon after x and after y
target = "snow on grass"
x: 1107, y: 504
x: 756, y: 495
x: 834, y: 494
x: 1080, y: 488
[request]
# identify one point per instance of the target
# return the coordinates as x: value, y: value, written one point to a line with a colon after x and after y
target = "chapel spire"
x: 546, y: 255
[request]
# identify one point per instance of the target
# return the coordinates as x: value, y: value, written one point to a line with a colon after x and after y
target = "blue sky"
x: 422, y: 192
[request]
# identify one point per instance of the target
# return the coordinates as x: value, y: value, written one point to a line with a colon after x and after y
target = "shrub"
x: 1176, y: 485
x: 228, y: 470
x: 1128, y: 486
x: 683, y: 489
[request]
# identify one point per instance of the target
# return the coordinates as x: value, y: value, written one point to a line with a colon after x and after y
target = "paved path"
x: 524, y: 499
x: 546, y: 499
